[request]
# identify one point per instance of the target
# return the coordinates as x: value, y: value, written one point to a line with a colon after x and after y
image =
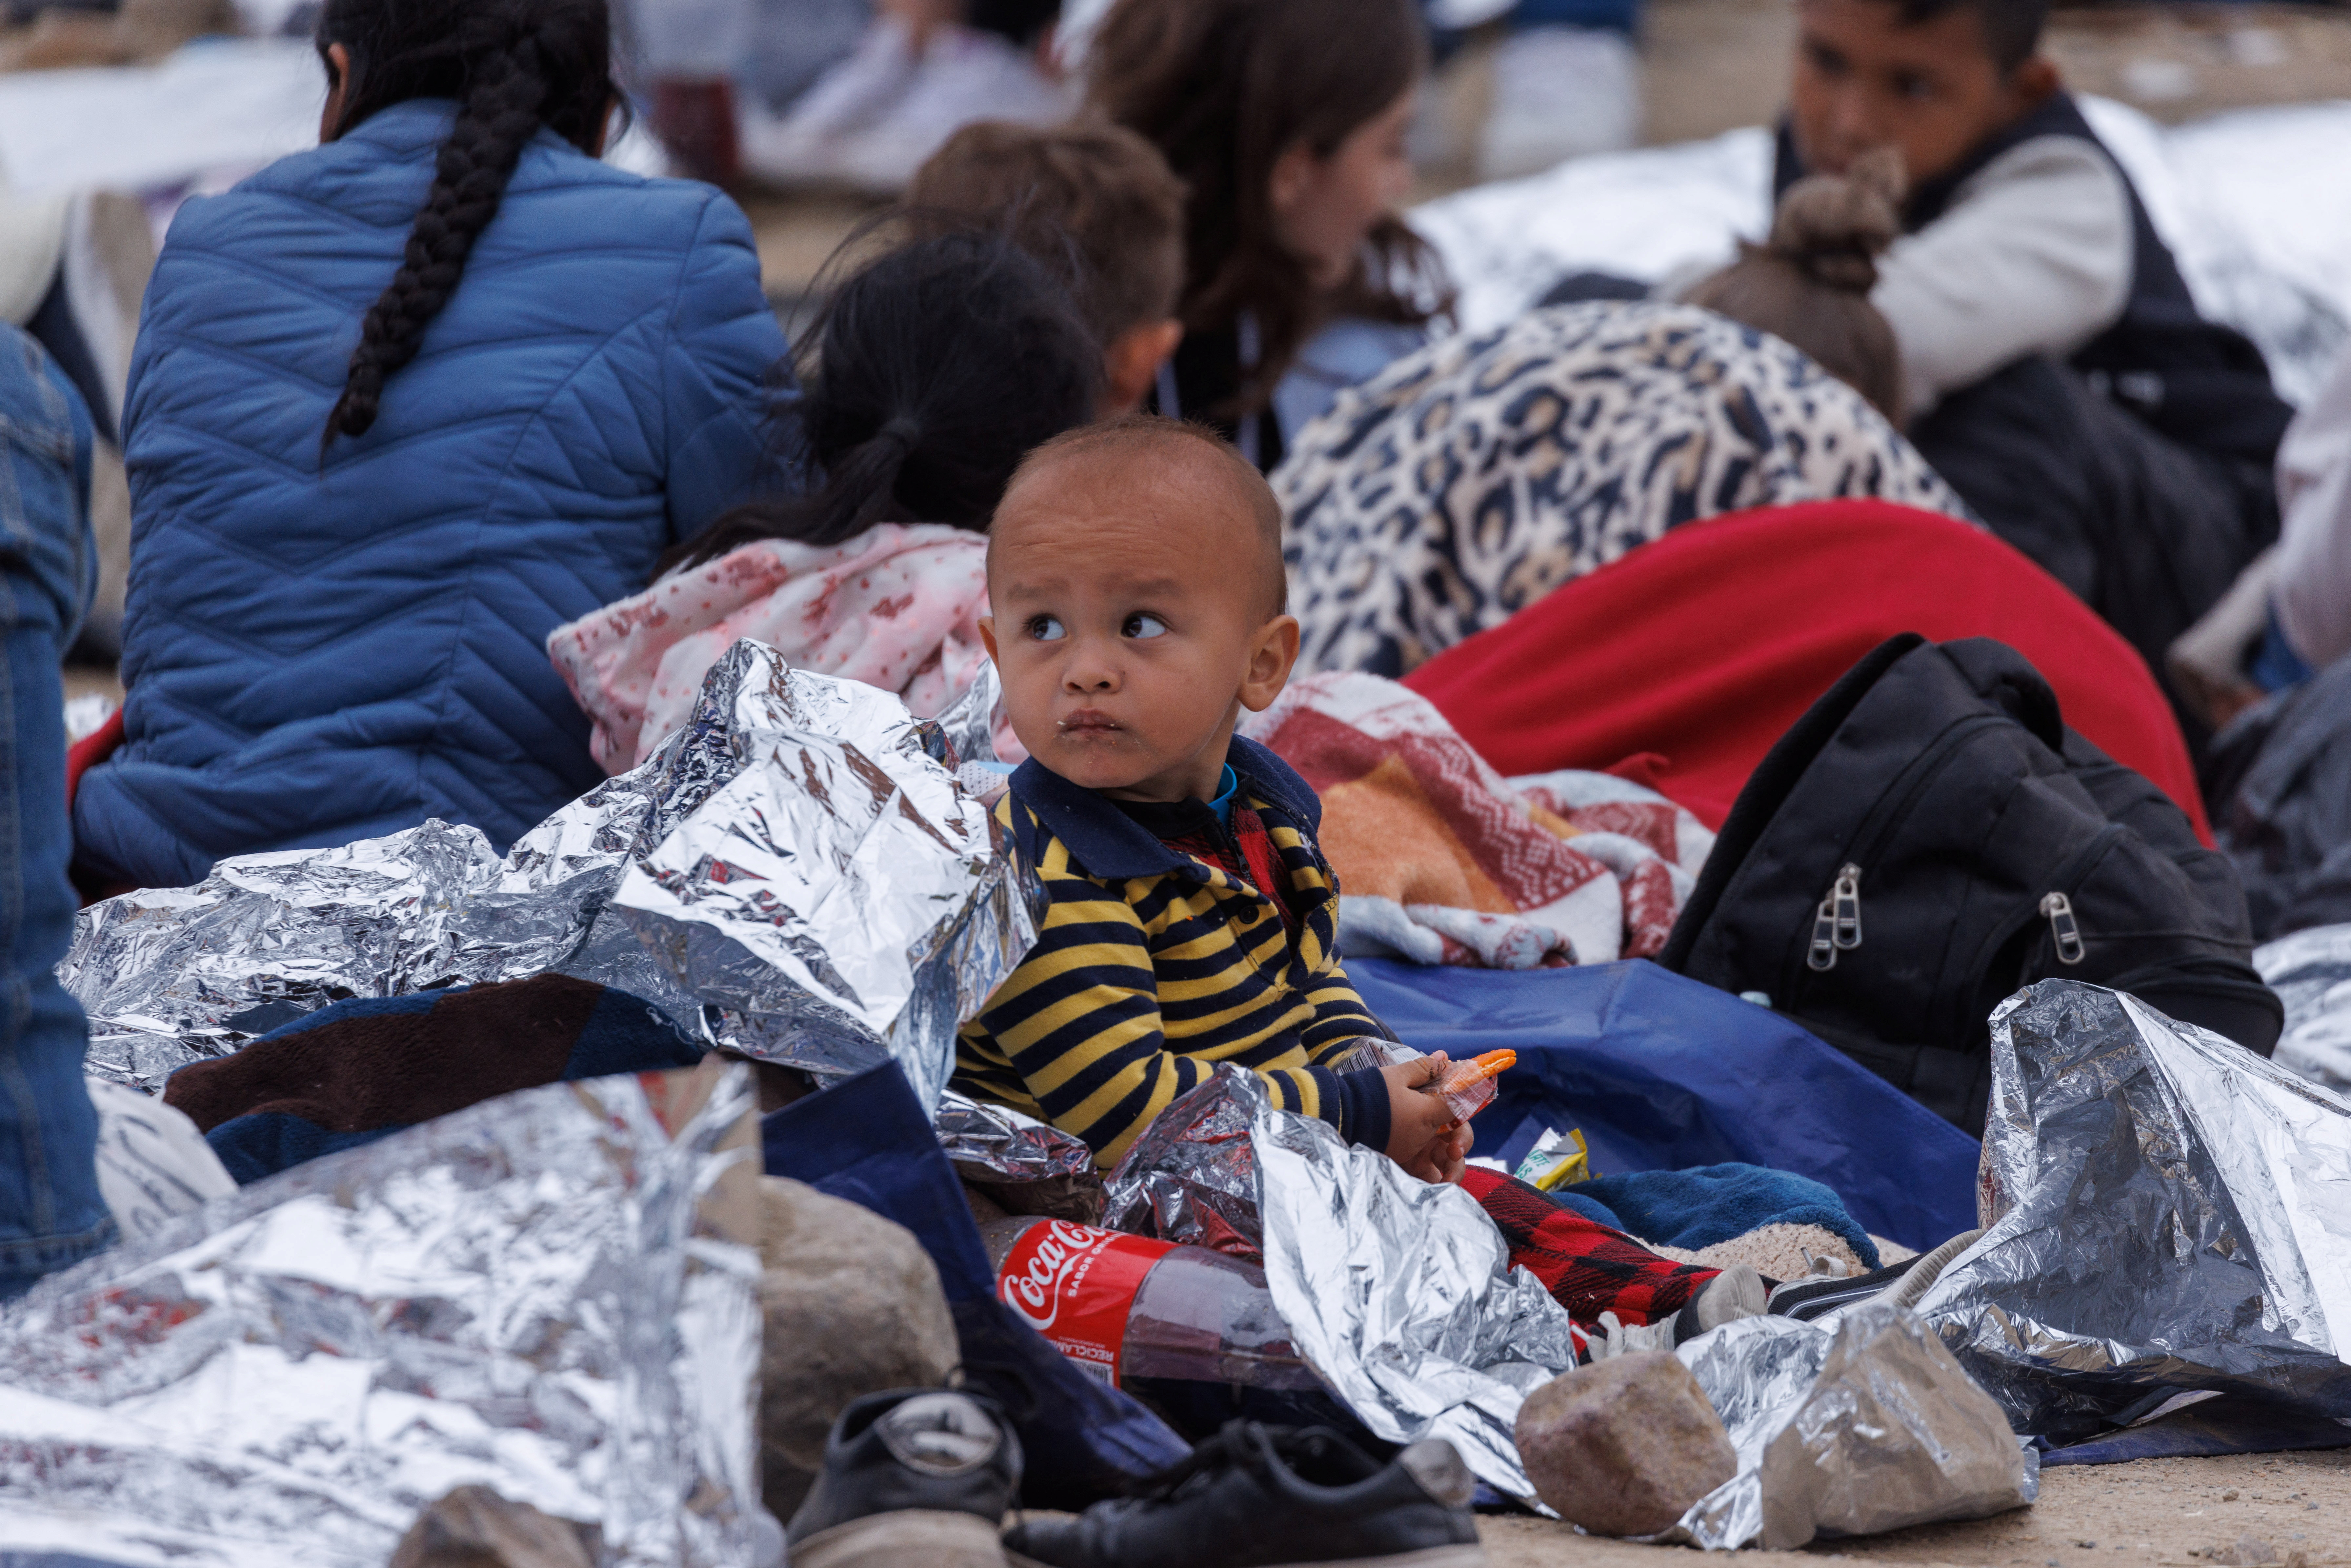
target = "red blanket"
x: 1679, y: 664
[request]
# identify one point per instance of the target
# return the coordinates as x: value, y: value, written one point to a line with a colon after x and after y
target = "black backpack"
x: 1928, y: 838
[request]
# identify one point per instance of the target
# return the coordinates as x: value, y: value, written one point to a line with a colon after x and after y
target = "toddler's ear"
x: 1131, y: 364
x: 987, y: 636
x: 1273, y: 651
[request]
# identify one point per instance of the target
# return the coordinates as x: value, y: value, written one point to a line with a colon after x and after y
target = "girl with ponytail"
x: 937, y: 366
x: 399, y: 407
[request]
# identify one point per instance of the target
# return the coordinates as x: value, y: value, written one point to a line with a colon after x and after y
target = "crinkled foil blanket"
x: 552, y: 1293
x: 2165, y: 1211
x: 794, y: 872
x: 2311, y: 972
x: 1851, y: 1427
x: 1400, y: 1295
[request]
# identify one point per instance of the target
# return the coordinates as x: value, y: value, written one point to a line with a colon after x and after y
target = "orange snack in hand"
x: 1468, y: 1086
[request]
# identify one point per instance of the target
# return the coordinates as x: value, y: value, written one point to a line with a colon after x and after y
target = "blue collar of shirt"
x: 1228, y: 790
x: 1108, y: 843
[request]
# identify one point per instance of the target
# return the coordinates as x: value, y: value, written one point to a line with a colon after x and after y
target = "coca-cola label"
x: 1075, y: 1285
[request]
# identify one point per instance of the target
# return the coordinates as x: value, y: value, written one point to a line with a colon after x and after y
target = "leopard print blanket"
x: 1470, y: 478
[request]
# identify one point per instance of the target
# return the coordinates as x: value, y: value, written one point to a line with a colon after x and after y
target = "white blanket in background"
x: 2252, y: 202
x: 199, y: 120
x: 216, y: 104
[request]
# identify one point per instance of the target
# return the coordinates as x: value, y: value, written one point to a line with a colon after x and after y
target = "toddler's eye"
x: 1047, y: 628
x: 1144, y: 626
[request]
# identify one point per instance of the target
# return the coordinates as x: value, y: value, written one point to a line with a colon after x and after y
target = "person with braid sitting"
x: 399, y: 407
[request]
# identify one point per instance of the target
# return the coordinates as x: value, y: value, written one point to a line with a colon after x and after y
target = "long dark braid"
x: 513, y: 66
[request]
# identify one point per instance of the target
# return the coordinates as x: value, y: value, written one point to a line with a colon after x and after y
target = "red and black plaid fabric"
x: 1259, y: 864
x: 1588, y: 1267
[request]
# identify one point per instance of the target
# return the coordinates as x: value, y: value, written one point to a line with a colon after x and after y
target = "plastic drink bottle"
x: 1191, y: 1333
x: 1126, y: 1307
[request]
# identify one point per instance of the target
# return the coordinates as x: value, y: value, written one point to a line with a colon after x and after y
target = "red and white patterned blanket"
x: 1442, y: 860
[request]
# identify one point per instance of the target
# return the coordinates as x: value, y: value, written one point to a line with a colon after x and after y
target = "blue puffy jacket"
x: 319, y: 652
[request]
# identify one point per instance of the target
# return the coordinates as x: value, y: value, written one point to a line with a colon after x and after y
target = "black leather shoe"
x: 912, y: 1475
x: 1274, y: 1497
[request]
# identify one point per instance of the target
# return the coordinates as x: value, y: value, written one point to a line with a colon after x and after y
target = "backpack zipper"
x: 2067, y: 880
x: 1913, y: 780
x: 1836, y: 923
x: 2057, y: 906
x: 2064, y: 928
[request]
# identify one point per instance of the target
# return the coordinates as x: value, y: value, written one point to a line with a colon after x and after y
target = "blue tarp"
x: 1663, y: 1074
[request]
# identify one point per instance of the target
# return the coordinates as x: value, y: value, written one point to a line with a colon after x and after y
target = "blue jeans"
x: 50, y: 1211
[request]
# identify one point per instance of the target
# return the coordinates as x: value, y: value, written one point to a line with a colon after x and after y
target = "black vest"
x: 2197, y: 381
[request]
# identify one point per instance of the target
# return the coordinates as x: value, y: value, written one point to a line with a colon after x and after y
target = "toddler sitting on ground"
x: 1134, y: 571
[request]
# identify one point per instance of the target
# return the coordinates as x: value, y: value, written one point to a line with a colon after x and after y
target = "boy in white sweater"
x: 2026, y: 237
x: 2058, y: 372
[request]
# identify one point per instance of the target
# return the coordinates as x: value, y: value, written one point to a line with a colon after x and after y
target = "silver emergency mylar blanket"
x: 2164, y: 1210
x: 997, y: 1144
x: 2311, y: 972
x: 1400, y: 1295
x: 554, y: 1293
x: 1850, y: 1428
x: 793, y: 872
x: 1191, y: 1176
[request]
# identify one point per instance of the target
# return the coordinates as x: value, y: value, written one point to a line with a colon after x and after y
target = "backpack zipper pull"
x: 1836, y: 923
x: 1846, y: 896
x: 2064, y: 928
x: 1823, y: 954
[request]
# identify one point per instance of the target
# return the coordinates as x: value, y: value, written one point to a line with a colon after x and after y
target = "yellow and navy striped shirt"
x: 1153, y: 966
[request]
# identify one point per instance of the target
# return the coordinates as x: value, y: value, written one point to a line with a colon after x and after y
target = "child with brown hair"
x: 1137, y: 606
x: 2058, y: 371
x: 1098, y: 206
x: 1286, y: 120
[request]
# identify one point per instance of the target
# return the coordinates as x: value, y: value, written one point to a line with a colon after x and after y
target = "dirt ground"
x: 2243, y: 1508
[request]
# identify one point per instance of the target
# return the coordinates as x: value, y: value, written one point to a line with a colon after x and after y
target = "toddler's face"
x: 1130, y: 624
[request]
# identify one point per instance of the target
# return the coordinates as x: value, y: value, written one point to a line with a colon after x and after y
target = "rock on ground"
x: 852, y: 1306
x: 1625, y: 1446
x: 474, y: 1527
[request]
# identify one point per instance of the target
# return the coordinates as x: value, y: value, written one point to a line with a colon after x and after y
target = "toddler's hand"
x: 1447, y: 1157
x: 1420, y: 1124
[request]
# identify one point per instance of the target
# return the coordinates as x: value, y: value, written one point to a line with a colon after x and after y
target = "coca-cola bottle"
x: 1189, y: 1332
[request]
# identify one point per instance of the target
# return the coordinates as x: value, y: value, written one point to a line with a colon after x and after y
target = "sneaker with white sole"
x: 1274, y: 1497
x: 1901, y: 1284
x: 914, y: 1476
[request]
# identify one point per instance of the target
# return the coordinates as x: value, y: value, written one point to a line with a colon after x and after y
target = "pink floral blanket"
x: 897, y: 607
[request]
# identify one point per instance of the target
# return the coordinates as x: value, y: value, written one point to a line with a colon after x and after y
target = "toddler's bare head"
x: 1134, y: 572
